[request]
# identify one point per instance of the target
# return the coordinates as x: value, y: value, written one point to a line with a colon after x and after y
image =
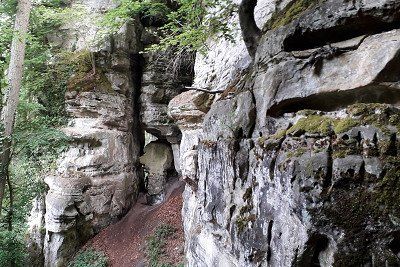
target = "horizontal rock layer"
x: 296, y: 163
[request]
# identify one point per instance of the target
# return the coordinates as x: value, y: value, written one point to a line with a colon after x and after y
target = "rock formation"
x: 297, y: 162
x: 158, y: 161
x: 115, y: 96
x: 97, y: 179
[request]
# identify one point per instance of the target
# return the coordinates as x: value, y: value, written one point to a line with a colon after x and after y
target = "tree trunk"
x: 250, y: 32
x: 14, y: 76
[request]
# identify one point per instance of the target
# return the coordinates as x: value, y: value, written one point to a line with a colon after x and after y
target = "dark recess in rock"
x: 310, y: 32
x: 314, y: 246
x: 250, y: 32
x: 137, y: 61
x: 333, y: 100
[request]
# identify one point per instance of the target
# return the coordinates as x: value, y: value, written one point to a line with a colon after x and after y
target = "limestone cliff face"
x: 96, y: 180
x: 116, y: 95
x: 297, y: 162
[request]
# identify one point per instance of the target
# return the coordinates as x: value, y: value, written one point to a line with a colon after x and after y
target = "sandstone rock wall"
x: 116, y: 95
x: 97, y: 179
x: 298, y: 163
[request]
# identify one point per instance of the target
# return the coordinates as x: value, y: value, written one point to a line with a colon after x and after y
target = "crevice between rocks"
x: 137, y: 62
x: 330, y: 101
x: 303, y: 39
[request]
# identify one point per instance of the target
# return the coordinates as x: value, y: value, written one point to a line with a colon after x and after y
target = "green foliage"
x: 90, y: 258
x: 156, y: 244
x: 127, y: 9
x: 12, y: 249
x: 37, y: 140
x: 195, y: 22
x: 188, y: 25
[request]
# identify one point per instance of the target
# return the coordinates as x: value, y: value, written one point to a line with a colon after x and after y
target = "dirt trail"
x: 125, y: 242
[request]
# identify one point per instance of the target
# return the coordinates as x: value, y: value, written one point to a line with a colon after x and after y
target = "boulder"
x: 158, y: 162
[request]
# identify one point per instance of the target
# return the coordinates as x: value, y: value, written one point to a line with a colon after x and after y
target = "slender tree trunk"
x: 14, y: 76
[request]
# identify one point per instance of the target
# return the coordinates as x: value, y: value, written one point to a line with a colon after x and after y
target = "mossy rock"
x: 297, y: 152
x: 354, y: 206
x: 87, y: 75
x: 243, y: 221
x: 314, y: 124
x: 291, y: 12
x: 344, y: 125
x: 89, y: 81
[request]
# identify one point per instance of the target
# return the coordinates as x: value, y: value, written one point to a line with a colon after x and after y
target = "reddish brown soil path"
x: 125, y: 242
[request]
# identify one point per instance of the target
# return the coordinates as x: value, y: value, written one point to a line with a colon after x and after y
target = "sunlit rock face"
x: 297, y: 162
x: 225, y: 61
x: 96, y: 180
x: 111, y: 104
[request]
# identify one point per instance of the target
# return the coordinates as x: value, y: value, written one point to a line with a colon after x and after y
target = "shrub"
x: 156, y: 244
x: 90, y: 258
x: 12, y: 249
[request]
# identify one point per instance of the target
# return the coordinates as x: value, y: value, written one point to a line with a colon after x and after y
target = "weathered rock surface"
x: 188, y: 110
x: 289, y: 77
x: 158, y: 161
x: 304, y: 195
x: 165, y: 75
x: 289, y: 167
x: 111, y: 106
x: 37, y: 231
x: 225, y: 60
x: 97, y: 179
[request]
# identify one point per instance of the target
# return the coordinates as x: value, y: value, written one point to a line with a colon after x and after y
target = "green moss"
x: 365, y: 108
x: 156, y: 245
x: 243, y: 221
x: 87, y: 76
x: 343, y: 125
x: 84, y: 82
x: 395, y: 121
x: 390, y: 185
x: 312, y: 124
x: 90, y: 258
x: 376, y: 114
x: 307, y: 112
x: 292, y: 11
x: 261, y: 141
x: 279, y: 135
x: 246, y: 209
x: 297, y: 152
x: 248, y: 194
x: 370, y: 203
x: 276, y: 136
x: 341, y: 153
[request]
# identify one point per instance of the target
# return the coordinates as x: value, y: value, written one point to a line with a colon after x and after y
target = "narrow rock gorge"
x: 288, y: 141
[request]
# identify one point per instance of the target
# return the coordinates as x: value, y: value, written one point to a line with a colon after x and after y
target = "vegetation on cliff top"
x: 184, y: 24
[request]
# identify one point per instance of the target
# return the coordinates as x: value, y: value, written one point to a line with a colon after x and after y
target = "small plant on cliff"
x: 90, y: 258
